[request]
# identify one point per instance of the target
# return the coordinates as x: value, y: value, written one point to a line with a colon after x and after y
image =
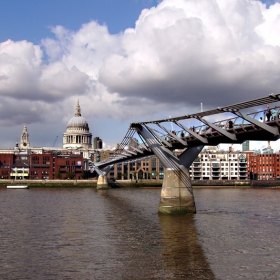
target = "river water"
x: 117, y: 234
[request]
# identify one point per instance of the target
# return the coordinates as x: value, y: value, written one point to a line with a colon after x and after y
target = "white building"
x: 212, y: 164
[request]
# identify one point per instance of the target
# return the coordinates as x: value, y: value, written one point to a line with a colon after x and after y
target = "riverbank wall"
x: 51, y: 183
x: 140, y: 183
x: 195, y: 184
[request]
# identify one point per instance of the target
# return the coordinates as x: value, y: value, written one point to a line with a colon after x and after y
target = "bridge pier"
x: 102, y: 183
x: 176, y: 198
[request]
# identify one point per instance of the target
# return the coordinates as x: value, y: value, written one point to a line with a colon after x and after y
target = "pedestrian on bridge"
x: 229, y: 124
x: 267, y: 113
x: 274, y: 114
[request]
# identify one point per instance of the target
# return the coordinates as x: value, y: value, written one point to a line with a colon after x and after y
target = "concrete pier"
x: 102, y: 183
x: 176, y: 199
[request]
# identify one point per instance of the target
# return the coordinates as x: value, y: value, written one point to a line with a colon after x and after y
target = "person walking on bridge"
x: 267, y: 113
x: 274, y: 114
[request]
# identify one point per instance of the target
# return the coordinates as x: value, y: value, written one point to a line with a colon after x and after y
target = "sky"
x: 128, y: 61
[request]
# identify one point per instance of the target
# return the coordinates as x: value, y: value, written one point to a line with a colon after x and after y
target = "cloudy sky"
x: 130, y: 60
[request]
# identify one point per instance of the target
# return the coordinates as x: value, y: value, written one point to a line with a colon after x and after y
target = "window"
x: 35, y: 160
x: 46, y: 160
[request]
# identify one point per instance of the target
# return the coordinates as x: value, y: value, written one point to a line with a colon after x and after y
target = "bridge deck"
x: 244, y: 127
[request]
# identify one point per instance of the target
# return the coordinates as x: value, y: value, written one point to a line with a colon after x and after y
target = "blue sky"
x: 162, y: 62
x: 31, y: 20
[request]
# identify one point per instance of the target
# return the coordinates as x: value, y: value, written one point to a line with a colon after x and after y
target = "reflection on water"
x: 181, y: 252
x: 239, y: 232
x: 117, y: 234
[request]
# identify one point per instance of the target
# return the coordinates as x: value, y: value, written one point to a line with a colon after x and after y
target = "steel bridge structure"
x: 230, y: 124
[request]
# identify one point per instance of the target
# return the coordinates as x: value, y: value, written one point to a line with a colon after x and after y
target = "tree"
x: 156, y: 174
x: 70, y: 175
x: 58, y: 174
x: 83, y: 175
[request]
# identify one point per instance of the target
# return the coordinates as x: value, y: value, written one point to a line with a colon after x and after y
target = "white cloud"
x: 185, y: 51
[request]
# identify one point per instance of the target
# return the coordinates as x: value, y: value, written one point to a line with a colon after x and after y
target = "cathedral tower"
x: 24, y: 139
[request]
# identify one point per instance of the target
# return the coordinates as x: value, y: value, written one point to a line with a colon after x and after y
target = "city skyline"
x: 129, y: 61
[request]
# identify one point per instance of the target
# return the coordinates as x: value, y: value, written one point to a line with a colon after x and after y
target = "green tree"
x: 70, y: 175
x: 58, y: 174
x: 83, y: 175
x: 156, y: 173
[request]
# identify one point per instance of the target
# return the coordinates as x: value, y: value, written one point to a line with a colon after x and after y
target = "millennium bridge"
x: 228, y: 125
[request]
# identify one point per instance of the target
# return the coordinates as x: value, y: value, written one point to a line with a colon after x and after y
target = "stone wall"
x: 50, y: 183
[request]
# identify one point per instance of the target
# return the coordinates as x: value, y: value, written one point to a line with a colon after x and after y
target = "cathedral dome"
x: 77, y: 122
x: 77, y: 133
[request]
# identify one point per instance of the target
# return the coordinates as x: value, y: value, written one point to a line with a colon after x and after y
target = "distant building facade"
x: 150, y: 168
x: 246, y: 146
x: 97, y: 143
x: 264, y: 166
x: 48, y: 166
x: 219, y: 165
x: 211, y: 164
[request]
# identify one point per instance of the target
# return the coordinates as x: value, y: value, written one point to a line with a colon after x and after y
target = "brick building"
x: 48, y: 165
x: 263, y: 166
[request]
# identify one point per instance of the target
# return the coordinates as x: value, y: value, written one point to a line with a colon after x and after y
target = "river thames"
x: 118, y: 234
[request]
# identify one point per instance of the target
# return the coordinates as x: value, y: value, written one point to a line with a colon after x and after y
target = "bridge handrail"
x: 238, y: 123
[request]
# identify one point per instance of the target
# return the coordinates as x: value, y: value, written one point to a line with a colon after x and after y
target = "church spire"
x: 24, y: 141
x: 78, y: 109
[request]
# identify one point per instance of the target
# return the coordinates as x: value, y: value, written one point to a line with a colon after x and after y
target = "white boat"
x: 17, y: 187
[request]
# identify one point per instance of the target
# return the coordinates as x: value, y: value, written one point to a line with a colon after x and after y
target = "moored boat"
x: 17, y: 187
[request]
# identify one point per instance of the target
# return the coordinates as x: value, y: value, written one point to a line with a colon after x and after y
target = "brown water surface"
x: 117, y: 234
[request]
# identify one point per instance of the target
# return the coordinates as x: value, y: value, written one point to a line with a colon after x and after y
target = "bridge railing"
x: 238, y: 124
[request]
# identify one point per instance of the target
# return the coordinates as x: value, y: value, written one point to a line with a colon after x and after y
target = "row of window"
x: 222, y: 164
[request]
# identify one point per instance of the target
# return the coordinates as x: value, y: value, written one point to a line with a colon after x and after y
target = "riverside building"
x: 264, y: 164
x: 70, y: 161
x: 211, y: 164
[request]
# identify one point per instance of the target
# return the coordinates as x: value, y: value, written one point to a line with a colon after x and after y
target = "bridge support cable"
x: 120, y: 151
x: 156, y: 136
x: 177, y: 193
x: 191, y: 132
x: 172, y: 135
x: 218, y: 129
